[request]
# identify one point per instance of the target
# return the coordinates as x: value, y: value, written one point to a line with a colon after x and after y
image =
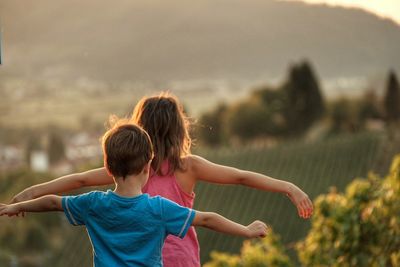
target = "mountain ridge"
x: 160, y: 42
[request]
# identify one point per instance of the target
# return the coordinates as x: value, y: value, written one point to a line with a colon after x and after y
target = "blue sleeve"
x: 76, y: 208
x: 177, y: 219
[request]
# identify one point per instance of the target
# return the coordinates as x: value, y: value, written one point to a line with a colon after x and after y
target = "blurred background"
x: 305, y: 91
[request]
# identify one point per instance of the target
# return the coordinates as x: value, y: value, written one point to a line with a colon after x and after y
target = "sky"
x: 384, y: 8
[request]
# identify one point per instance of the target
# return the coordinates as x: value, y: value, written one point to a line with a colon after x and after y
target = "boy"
x: 126, y: 227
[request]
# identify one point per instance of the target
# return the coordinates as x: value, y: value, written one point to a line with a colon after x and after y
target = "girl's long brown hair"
x: 163, y: 118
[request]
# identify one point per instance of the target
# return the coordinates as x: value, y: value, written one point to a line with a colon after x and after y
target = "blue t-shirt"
x: 127, y: 231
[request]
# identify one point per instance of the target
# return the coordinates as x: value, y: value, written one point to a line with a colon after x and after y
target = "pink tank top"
x: 176, y: 252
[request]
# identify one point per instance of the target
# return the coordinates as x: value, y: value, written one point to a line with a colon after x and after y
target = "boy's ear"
x: 105, y: 166
x: 146, y: 168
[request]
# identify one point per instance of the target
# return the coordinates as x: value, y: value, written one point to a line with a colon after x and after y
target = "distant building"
x: 39, y: 161
x: 11, y: 157
x: 83, y: 147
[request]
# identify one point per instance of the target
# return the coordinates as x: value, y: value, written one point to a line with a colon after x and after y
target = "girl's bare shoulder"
x: 193, y: 163
x: 187, y: 175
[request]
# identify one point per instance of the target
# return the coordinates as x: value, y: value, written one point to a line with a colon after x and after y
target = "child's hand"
x: 301, y: 201
x: 257, y: 229
x: 10, y: 210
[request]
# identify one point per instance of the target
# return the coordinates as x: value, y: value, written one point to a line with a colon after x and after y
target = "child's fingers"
x: 305, y: 208
x: 311, y: 205
x: 300, y: 210
x: 308, y: 207
x: 261, y: 232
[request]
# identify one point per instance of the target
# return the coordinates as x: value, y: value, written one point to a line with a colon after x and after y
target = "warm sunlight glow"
x: 384, y: 8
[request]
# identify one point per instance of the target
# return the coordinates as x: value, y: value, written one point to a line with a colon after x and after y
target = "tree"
x: 392, y: 99
x: 247, y: 120
x: 268, y: 251
x: 275, y: 101
x: 56, y: 148
x: 261, y: 115
x: 360, y: 227
x: 304, y: 99
x: 210, y: 128
x: 368, y: 108
x: 343, y: 114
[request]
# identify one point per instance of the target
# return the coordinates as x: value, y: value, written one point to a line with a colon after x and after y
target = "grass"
x: 314, y: 167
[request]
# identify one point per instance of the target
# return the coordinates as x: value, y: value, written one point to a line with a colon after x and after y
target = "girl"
x: 175, y: 172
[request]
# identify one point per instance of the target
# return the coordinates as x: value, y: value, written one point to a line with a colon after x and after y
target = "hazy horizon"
x: 384, y: 8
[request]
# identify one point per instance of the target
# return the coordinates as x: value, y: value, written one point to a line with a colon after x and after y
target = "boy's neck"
x: 131, y: 186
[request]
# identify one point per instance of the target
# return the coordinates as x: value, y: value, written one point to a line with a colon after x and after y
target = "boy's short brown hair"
x: 127, y: 149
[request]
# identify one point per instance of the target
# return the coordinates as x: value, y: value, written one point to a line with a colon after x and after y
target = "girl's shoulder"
x: 193, y: 163
x: 191, y: 159
x: 188, y: 166
x: 186, y: 175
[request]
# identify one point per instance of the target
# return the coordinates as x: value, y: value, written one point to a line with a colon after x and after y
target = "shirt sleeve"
x: 76, y: 208
x: 177, y: 219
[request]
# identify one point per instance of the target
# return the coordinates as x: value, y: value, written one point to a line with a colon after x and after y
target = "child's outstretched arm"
x: 210, y: 172
x: 46, y: 203
x: 221, y: 224
x: 65, y: 183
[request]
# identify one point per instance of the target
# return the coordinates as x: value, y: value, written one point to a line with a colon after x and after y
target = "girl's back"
x: 176, y: 252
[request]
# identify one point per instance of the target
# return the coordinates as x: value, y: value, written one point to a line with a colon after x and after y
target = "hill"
x: 161, y: 41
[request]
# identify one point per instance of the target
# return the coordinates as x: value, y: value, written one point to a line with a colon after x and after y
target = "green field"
x: 315, y: 167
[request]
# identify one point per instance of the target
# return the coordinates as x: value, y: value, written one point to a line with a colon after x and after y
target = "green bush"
x: 256, y: 253
x: 210, y: 128
x: 358, y: 228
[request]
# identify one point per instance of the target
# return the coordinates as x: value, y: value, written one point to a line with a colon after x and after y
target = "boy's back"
x: 127, y: 231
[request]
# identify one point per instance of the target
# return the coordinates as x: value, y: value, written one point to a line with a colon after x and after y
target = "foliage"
x: 368, y: 108
x: 304, y: 100
x: 392, y: 99
x: 351, y: 115
x: 210, y: 128
x: 258, y: 253
x: 275, y: 101
x: 360, y: 227
x: 56, y: 147
x: 343, y: 115
x: 247, y: 120
x: 287, y: 110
